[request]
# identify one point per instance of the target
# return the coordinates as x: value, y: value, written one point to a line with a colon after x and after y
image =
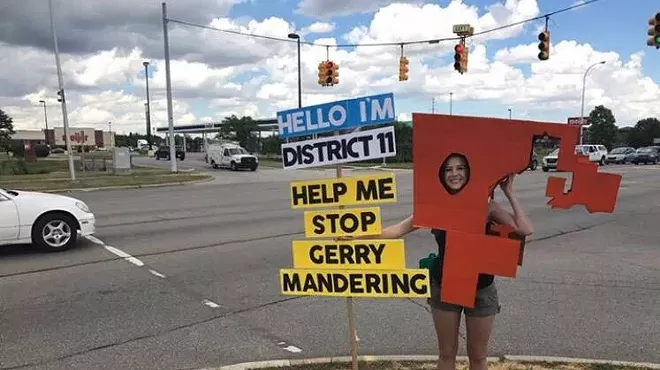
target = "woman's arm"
x: 519, y: 221
x: 398, y: 230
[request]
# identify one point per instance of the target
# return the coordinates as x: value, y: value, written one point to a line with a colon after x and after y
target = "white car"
x: 51, y: 222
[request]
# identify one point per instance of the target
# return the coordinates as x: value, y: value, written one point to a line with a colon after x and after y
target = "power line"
x: 428, y: 41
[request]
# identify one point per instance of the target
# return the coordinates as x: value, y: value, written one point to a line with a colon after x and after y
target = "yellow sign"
x: 345, y: 222
x: 344, y: 191
x: 410, y: 283
x: 378, y: 254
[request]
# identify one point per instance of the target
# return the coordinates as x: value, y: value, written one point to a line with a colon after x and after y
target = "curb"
x: 211, y: 178
x: 423, y: 358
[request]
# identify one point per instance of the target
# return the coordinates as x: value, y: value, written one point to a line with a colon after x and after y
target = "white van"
x: 230, y: 155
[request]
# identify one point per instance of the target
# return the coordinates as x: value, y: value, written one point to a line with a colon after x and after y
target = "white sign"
x: 342, y: 114
x: 353, y: 147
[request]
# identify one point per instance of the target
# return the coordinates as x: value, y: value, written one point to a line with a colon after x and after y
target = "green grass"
x: 60, y: 180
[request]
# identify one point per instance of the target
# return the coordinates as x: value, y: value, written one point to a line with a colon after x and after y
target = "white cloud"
x: 319, y: 27
x: 108, y: 86
x: 324, y: 9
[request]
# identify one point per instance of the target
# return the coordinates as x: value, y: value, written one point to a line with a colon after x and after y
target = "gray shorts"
x: 486, y: 303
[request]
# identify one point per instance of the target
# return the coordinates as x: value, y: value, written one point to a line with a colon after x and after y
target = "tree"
x: 623, y: 136
x: 241, y: 130
x: 6, y: 131
x: 602, y: 129
x: 644, y: 132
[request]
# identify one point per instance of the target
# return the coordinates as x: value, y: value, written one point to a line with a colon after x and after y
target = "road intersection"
x: 187, y: 276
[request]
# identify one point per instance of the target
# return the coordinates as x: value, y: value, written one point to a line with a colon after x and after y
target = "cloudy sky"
x: 215, y: 74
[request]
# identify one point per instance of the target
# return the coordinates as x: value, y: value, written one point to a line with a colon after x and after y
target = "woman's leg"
x: 447, y: 324
x: 479, y: 325
x: 447, y: 320
x: 478, y: 331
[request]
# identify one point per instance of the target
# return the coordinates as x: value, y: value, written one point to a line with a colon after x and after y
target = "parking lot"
x: 198, y: 283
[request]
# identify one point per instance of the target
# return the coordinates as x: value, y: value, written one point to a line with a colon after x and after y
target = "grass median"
x: 460, y: 365
x: 60, y: 180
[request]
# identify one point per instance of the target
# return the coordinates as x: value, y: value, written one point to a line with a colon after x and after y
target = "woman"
x: 454, y: 175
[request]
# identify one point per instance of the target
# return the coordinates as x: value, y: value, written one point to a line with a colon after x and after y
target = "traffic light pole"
x: 60, y: 81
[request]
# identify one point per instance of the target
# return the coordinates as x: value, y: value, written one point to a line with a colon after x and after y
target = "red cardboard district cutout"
x: 493, y: 149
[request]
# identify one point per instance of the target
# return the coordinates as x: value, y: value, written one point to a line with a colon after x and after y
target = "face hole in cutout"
x: 454, y: 173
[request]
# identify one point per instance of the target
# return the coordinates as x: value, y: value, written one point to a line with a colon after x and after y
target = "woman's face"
x: 455, y: 173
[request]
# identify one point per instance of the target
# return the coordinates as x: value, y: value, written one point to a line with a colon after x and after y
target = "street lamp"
x: 45, y: 119
x: 148, y: 105
x: 295, y: 36
x: 584, y: 82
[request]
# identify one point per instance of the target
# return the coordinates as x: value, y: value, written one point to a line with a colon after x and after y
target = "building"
x: 87, y: 137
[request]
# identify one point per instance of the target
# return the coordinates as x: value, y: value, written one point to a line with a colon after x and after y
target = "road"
x: 201, y: 288
x: 193, y: 161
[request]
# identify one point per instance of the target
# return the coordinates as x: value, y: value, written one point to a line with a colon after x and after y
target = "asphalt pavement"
x: 187, y: 277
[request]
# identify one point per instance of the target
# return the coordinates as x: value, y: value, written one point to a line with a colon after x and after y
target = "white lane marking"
x: 156, y: 273
x: 124, y: 255
x: 210, y: 303
x: 287, y: 347
x: 116, y: 251
x: 94, y: 240
x: 293, y: 349
x: 139, y: 263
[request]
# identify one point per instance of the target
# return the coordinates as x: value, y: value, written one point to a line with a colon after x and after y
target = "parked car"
x: 533, y: 162
x: 621, y: 155
x: 647, y: 154
x: 164, y: 152
x: 549, y: 162
x: 597, y: 153
x: 49, y: 221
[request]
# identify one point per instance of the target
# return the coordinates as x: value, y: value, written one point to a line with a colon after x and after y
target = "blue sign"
x: 338, y: 115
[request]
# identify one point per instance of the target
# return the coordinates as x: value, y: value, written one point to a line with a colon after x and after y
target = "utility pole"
x: 148, y: 105
x: 168, y: 84
x: 45, y: 120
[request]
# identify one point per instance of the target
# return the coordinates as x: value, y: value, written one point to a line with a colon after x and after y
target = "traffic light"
x: 60, y: 95
x: 460, y: 58
x: 544, y: 45
x: 403, y: 69
x: 654, y: 31
x: 322, y: 74
x: 328, y: 73
x: 331, y: 73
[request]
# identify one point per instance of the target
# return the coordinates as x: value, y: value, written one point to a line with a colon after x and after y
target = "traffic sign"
x: 576, y: 121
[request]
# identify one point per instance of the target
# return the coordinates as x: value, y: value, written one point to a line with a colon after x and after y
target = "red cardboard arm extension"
x: 458, y: 162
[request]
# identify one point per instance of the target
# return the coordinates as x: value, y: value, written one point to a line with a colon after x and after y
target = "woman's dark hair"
x: 443, y: 168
